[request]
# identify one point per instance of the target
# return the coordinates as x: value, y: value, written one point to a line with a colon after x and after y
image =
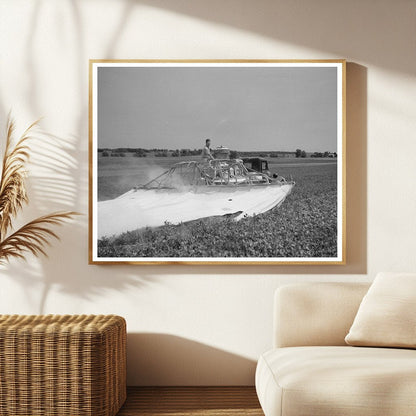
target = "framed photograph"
x: 217, y: 162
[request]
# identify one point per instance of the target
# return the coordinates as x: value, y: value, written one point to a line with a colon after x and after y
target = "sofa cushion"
x: 387, y: 314
x: 342, y: 381
x: 315, y: 314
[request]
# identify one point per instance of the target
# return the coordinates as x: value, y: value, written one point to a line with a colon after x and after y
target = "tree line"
x: 302, y: 154
x: 234, y: 154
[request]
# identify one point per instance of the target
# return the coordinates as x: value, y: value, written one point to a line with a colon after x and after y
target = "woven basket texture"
x: 53, y: 365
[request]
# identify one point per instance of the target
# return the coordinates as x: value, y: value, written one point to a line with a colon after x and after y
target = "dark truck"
x: 258, y: 164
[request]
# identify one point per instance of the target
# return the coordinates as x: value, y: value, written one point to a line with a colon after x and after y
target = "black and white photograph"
x: 233, y: 162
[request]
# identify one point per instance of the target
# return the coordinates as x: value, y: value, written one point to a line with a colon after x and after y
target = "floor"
x: 195, y: 401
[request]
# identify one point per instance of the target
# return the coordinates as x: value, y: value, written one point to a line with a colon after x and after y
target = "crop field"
x: 304, y: 225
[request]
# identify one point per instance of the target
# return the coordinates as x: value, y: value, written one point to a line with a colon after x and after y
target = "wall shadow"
x: 58, y: 180
x: 169, y: 360
x: 53, y: 186
x: 340, y: 28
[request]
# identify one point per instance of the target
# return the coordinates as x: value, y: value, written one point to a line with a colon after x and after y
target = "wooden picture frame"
x: 274, y: 192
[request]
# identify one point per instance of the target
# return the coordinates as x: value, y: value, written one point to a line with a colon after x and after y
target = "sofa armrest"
x: 309, y: 314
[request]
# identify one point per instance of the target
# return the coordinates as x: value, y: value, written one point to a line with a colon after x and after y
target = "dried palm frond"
x: 12, y: 183
x: 34, y: 236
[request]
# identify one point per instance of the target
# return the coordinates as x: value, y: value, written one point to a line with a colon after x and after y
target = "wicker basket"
x: 54, y: 365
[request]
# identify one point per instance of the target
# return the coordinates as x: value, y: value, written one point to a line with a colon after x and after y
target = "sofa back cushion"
x: 309, y: 314
x: 387, y: 314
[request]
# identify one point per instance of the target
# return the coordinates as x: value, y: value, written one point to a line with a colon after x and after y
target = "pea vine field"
x: 304, y: 225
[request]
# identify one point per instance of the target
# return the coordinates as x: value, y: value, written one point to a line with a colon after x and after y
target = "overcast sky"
x: 240, y: 108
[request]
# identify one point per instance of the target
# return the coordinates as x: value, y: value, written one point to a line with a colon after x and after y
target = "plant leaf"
x: 33, y: 236
x: 12, y: 183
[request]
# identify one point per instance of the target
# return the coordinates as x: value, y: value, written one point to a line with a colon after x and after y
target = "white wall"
x: 206, y: 324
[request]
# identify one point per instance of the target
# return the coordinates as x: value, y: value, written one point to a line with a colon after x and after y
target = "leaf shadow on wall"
x: 59, y: 181
x: 53, y: 187
x: 163, y: 359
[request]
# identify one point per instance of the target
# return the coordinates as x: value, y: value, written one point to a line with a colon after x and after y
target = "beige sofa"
x: 312, y: 371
